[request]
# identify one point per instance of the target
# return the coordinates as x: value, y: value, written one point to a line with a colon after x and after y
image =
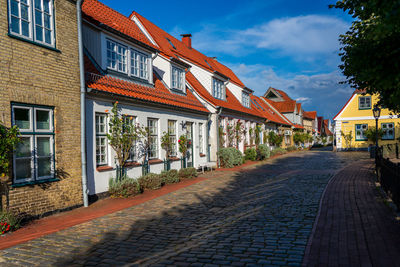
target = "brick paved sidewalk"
x: 355, y: 227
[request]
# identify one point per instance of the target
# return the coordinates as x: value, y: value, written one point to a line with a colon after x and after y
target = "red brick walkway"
x: 355, y: 227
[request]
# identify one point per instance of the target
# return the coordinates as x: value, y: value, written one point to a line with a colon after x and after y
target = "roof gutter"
x: 217, y: 127
x: 83, y: 104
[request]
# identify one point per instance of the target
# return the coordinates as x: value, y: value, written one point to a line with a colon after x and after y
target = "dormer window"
x: 139, y: 64
x: 246, y: 99
x: 218, y: 90
x: 127, y: 59
x: 178, y: 78
x: 116, y: 56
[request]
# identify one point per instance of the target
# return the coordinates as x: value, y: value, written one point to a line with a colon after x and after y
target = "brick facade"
x: 33, y: 74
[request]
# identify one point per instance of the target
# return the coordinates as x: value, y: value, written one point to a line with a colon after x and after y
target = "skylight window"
x: 208, y: 63
x: 169, y: 41
x: 257, y: 104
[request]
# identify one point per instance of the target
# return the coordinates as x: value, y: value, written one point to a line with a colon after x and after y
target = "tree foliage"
x: 8, y: 141
x: 370, y: 49
x: 122, y: 134
x: 370, y: 133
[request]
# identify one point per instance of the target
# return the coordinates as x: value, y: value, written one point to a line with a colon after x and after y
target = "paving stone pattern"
x: 262, y: 215
x: 355, y: 227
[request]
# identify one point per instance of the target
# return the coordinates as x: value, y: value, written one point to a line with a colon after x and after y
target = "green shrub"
x: 150, y: 181
x: 230, y: 157
x: 263, y: 152
x: 250, y: 154
x: 187, y: 173
x: 278, y: 151
x: 291, y: 148
x: 126, y: 187
x: 8, y: 221
x: 170, y: 177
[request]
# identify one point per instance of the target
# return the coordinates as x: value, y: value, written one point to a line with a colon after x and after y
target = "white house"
x: 123, y: 65
x: 215, y: 85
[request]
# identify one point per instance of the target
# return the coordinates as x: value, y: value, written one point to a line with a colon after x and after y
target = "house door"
x: 189, y: 136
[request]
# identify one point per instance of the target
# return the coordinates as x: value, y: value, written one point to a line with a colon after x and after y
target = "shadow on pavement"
x: 261, y: 215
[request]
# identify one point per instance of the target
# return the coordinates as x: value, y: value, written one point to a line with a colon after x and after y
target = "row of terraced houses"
x: 63, y: 64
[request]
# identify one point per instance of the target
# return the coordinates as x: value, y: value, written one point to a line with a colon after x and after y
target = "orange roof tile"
x: 283, y: 94
x: 283, y: 106
x: 231, y: 101
x: 100, y: 14
x: 164, y: 40
x: 298, y: 107
x: 327, y: 131
x: 310, y: 115
x: 157, y: 94
x: 269, y: 113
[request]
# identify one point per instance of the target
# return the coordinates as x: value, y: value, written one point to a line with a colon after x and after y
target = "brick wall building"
x: 39, y: 89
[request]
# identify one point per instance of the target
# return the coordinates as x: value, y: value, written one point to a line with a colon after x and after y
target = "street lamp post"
x: 377, y: 114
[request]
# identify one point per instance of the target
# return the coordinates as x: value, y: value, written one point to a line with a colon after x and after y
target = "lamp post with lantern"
x: 377, y: 113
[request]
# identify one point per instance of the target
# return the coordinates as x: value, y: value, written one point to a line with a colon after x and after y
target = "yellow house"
x: 356, y: 117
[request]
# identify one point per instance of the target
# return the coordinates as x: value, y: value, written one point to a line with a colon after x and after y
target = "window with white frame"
x: 178, y: 78
x: 172, y: 136
x: 32, y: 20
x: 130, y: 121
x: 201, y: 142
x: 152, y: 124
x: 34, y: 156
x: 218, y: 89
x: 139, y: 65
x: 360, y: 132
x: 246, y: 99
x: 388, y: 131
x: 364, y: 102
x: 116, y: 56
x: 101, y: 139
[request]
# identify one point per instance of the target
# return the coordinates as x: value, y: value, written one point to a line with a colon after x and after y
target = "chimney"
x: 187, y: 40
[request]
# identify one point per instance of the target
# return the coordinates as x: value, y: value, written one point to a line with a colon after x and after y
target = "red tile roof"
x: 327, y: 131
x: 298, y: 107
x: 161, y: 37
x: 100, y: 14
x: 298, y: 126
x: 268, y: 112
x: 157, y: 94
x: 283, y: 106
x: 231, y: 101
x: 283, y: 94
x: 312, y: 115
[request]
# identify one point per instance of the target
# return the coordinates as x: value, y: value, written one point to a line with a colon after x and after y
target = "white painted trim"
x: 366, y: 118
x: 345, y: 107
x: 143, y: 29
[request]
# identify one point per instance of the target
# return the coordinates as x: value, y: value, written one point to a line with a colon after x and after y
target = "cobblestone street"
x: 261, y: 215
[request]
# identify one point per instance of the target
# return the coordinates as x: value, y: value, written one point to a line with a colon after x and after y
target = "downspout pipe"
x: 83, y: 104
x: 217, y: 127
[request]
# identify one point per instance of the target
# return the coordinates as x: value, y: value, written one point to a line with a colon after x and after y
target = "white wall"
x: 236, y: 91
x: 98, y: 181
x: 91, y: 40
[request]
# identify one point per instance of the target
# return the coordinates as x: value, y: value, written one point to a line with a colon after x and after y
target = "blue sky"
x: 288, y: 44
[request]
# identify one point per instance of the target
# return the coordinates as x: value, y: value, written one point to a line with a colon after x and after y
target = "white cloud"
x: 302, y: 37
x: 321, y: 92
